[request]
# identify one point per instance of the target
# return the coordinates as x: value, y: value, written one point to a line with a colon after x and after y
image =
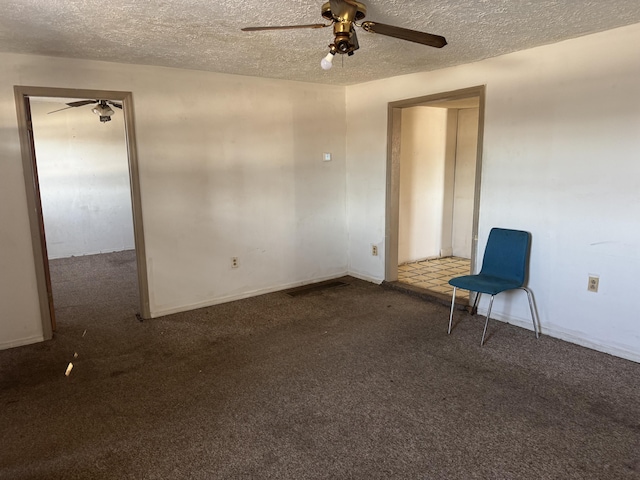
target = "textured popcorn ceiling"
x: 205, y: 34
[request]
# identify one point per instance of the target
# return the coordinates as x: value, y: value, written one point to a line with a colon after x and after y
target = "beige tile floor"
x: 435, y: 274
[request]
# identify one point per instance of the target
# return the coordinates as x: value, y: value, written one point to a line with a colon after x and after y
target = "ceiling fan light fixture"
x: 103, y: 110
x: 327, y: 62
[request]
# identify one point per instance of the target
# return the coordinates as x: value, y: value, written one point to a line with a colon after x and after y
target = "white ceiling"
x: 205, y: 34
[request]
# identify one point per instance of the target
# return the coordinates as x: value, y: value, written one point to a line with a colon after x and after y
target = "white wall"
x: 560, y: 159
x: 229, y: 166
x: 84, y: 180
x: 422, y: 170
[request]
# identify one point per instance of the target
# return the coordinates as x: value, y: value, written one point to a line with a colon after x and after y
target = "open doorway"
x: 82, y: 180
x: 433, y: 188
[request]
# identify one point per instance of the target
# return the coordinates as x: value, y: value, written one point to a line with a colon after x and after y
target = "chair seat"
x: 484, y: 283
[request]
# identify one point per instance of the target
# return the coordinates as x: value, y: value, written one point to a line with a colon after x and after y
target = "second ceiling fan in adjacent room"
x: 102, y: 108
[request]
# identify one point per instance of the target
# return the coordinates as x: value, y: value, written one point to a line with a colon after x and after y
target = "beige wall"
x: 229, y: 167
x: 423, y: 147
x: 438, y: 149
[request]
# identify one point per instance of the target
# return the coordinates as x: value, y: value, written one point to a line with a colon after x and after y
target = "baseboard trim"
x: 366, y: 278
x: 240, y: 296
x: 570, y: 336
x: 21, y: 342
x: 446, y: 252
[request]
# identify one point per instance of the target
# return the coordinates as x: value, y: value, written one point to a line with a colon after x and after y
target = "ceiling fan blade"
x: 114, y: 104
x: 436, y: 41
x: 284, y: 27
x: 59, y: 110
x: 80, y: 103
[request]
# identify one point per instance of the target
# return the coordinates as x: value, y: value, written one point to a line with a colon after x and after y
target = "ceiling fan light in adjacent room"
x: 103, y: 110
x: 327, y: 62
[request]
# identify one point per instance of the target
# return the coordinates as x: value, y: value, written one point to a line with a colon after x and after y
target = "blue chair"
x: 504, y: 267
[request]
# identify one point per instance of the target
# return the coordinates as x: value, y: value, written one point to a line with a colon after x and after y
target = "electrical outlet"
x: 374, y: 250
x: 594, y: 281
x: 234, y: 262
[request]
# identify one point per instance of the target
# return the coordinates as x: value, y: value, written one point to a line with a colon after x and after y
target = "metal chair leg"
x: 487, y: 321
x: 474, y: 308
x: 533, y: 316
x: 453, y: 302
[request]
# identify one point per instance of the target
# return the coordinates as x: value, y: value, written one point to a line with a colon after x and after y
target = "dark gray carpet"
x: 354, y: 382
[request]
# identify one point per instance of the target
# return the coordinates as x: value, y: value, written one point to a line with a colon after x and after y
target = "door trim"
x: 394, y: 128
x: 22, y: 94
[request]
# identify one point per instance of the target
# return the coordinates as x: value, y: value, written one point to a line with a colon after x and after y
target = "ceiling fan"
x: 102, y: 108
x: 344, y: 15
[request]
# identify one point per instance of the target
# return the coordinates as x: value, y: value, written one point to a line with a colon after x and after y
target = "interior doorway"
x: 434, y: 170
x: 63, y: 158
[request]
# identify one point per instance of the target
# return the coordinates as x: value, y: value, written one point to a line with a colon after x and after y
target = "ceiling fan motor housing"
x: 361, y: 11
x: 343, y: 25
x: 342, y: 42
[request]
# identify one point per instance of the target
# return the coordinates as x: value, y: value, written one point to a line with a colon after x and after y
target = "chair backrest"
x: 506, y: 254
